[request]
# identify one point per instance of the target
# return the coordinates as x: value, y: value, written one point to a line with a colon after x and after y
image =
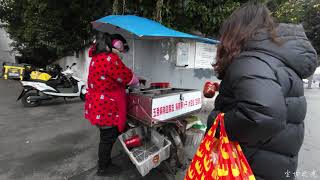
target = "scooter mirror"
x: 67, y: 67
x: 73, y: 64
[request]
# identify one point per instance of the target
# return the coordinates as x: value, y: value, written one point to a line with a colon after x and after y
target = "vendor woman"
x: 105, y: 105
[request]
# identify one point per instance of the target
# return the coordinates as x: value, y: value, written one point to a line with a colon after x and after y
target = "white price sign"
x: 183, y: 54
x: 171, y: 106
x: 205, y: 55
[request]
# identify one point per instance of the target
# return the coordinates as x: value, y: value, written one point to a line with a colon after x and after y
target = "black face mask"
x: 125, y: 47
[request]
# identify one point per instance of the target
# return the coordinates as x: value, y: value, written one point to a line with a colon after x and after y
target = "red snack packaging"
x: 133, y: 141
x: 209, y: 89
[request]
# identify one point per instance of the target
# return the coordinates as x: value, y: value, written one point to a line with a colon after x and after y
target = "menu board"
x: 183, y: 54
x: 205, y: 55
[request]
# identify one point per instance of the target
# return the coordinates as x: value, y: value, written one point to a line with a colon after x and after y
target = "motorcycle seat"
x: 53, y: 83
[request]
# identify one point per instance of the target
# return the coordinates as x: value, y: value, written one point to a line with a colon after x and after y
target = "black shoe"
x: 110, y: 170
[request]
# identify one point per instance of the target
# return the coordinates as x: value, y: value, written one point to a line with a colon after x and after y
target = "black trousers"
x: 108, y: 137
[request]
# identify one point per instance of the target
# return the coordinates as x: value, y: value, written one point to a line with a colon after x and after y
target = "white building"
x: 5, y: 50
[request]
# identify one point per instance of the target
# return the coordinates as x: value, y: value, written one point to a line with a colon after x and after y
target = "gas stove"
x: 153, y: 106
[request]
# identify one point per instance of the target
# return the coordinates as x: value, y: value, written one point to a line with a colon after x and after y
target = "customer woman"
x: 261, y: 65
x: 105, y: 105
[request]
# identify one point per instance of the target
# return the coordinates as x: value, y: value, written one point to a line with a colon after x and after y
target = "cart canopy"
x: 142, y: 28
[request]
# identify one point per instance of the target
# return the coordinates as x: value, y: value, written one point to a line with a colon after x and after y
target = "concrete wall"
x: 5, y: 49
x: 81, y: 69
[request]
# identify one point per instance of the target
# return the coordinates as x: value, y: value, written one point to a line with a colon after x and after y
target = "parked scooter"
x: 64, y: 84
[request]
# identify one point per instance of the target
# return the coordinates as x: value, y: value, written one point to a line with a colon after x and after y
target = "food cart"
x: 157, y: 113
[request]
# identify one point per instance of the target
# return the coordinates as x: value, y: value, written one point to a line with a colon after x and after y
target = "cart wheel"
x: 25, y: 100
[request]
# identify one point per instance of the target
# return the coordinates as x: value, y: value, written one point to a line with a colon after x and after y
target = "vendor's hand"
x: 211, y: 118
x: 217, y: 86
x: 134, y: 85
x: 134, y: 81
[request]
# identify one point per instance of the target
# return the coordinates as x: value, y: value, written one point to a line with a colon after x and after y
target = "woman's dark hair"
x: 242, y: 25
x: 121, y: 38
x: 103, y: 42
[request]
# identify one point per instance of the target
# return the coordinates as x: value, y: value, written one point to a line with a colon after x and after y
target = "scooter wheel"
x: 25, y: 100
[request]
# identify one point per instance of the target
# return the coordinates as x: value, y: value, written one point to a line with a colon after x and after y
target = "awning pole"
x: 133, y: 53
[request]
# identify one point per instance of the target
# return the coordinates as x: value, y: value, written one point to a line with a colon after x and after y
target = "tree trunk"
x: 115, y: 7
x: 158, y: 11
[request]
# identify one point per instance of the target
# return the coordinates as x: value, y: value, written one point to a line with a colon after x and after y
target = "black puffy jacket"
x: 262, y: 97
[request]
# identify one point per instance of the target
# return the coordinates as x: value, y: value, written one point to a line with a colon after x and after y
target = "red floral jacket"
x: 106, y: 97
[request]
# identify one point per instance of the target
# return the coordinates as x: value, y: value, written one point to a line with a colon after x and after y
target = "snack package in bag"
x: 219, y: 158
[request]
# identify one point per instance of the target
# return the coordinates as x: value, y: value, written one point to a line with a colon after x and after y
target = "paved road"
x: 54, y: 141
x: 309, y: 158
